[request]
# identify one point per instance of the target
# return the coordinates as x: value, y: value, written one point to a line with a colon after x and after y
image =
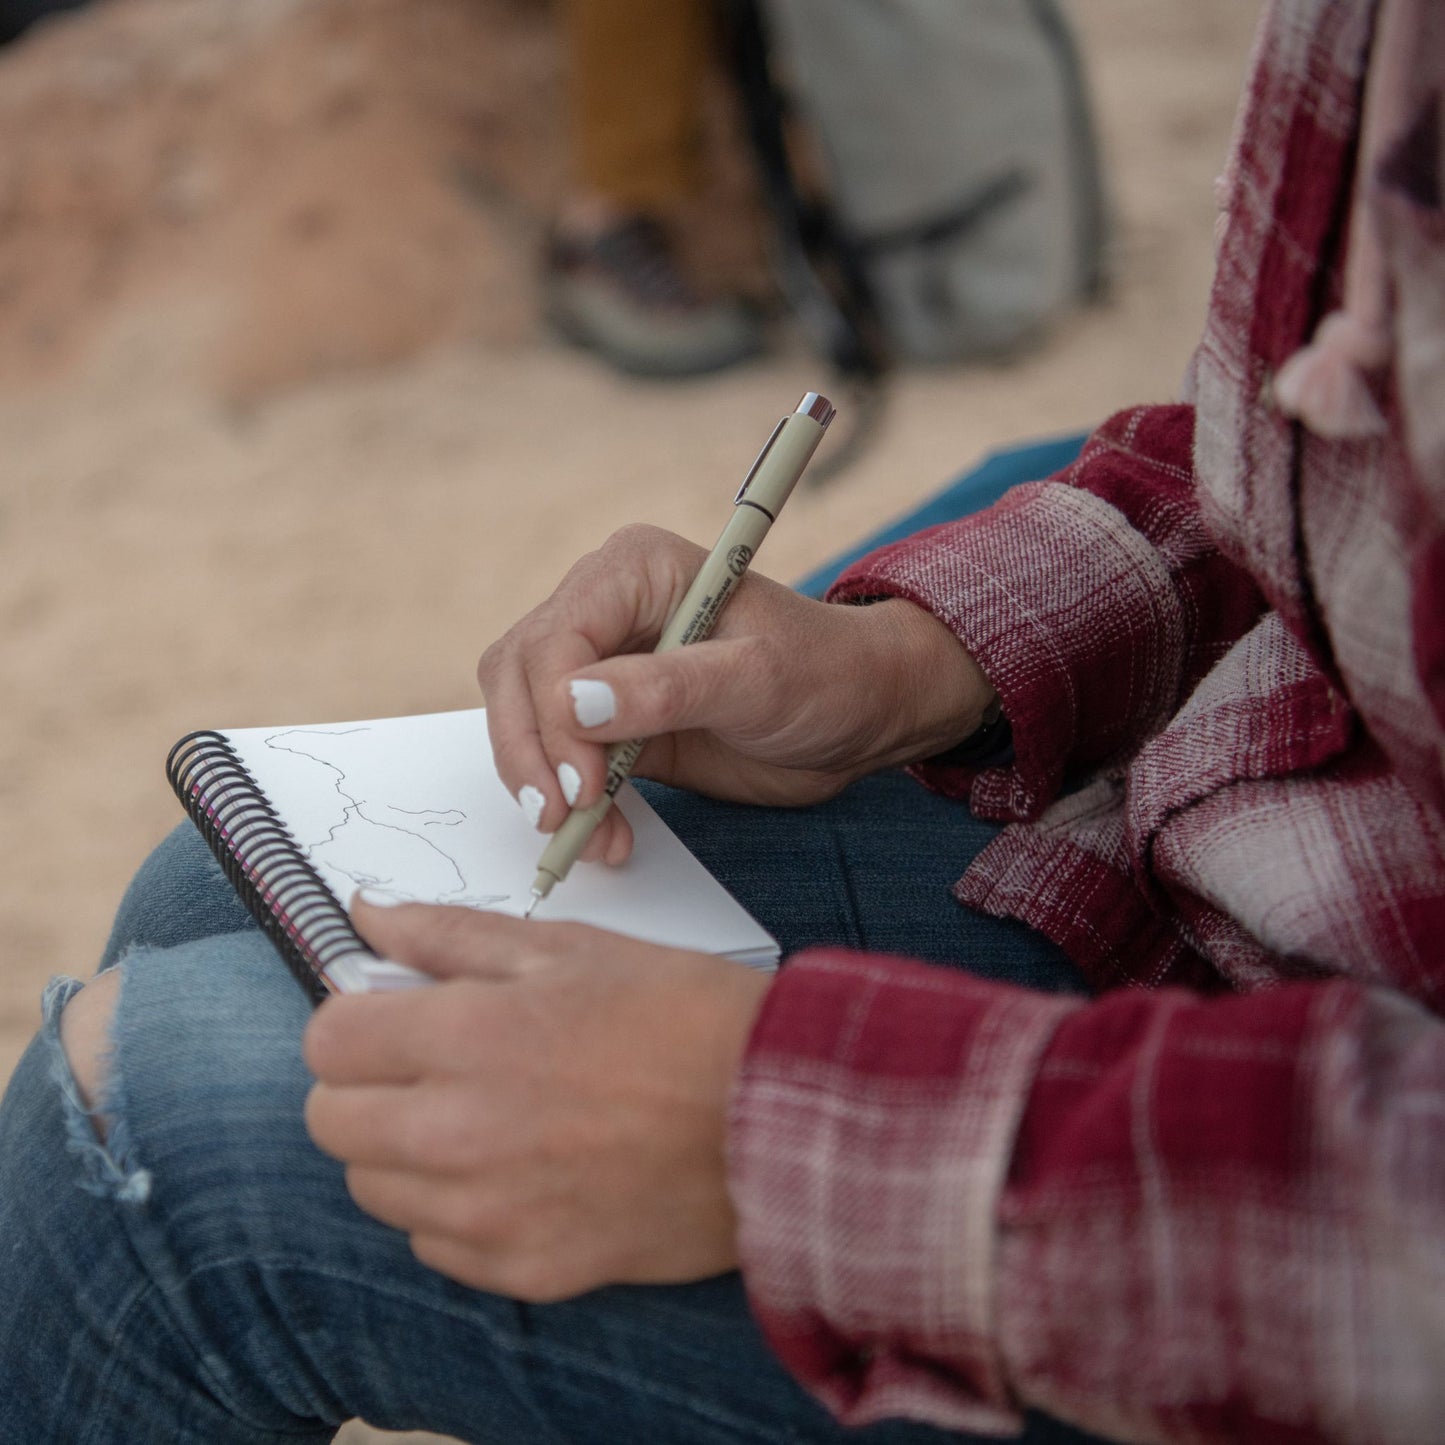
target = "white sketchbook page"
x: 413, y: 808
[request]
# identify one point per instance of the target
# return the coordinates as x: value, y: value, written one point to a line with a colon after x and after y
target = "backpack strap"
x: 819, y: 265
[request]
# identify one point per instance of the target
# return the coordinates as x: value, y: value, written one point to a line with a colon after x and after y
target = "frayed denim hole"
x: 106, y: 1172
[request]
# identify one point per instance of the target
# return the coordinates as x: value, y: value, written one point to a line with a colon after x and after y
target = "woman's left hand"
x: 552, y: 1115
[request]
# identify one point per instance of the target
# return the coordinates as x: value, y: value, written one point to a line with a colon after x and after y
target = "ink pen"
x: 755, y: 508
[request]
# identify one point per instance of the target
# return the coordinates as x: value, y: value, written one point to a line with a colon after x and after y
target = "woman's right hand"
x: 786, y: 703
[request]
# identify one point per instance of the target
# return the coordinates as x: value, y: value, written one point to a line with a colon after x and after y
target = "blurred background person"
x: 613, y: 279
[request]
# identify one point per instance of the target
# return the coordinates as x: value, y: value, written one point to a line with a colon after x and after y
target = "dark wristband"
x: 986, y: 744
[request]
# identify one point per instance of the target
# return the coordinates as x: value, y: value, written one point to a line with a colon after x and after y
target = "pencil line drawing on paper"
x: 432, y: 872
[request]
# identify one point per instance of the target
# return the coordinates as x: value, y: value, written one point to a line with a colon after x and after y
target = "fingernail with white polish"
x: 532, y: 802
x: 375, y: 898
x: 570, y: 781
x: 593, y: 702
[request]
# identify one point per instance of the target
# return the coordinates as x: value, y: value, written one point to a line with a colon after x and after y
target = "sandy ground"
x: 251, y: 482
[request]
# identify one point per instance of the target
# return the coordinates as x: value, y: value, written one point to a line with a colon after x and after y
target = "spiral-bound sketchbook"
x: 301, y: 817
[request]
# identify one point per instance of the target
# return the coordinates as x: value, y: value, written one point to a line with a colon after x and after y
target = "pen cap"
x: 781, y: 462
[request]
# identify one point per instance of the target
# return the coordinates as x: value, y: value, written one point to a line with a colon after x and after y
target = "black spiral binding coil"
x: 264, y: 863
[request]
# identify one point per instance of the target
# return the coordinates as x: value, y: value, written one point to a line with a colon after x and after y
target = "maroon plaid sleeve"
x: 1093, y: 602
x: 871, y: 1132
x: 1225, y: 1220
x: 1220, y: 1220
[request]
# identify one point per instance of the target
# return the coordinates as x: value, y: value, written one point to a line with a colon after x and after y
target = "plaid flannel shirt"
x: 1209, y: 1203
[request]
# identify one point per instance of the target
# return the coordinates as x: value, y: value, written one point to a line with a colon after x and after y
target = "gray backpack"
x: 962, y: 206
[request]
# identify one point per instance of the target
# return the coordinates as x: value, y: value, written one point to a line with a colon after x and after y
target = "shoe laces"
x: 636, y: 254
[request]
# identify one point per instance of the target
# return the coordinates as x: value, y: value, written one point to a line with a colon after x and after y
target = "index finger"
x: 616, y: 599
x: 387, y: 1038
x: 620, y: 597
x: 524, y: 761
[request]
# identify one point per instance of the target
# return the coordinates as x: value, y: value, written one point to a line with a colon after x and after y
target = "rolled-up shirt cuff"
x: 1071, y: 613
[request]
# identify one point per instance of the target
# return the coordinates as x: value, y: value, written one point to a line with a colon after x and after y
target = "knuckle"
x: 579, y: 1144
x: 670, y: 692
x: 439, y: 1137
x: 330, y: 1122
x: 320, y: 1043
x: 533, y: 1280
x: 582, y: 575
x: 363, y: 1187
x: 488, y: 662
x: 422, y: 934
x: 453, y: 930
x: 455, y: 1027
x: 500, y: 655
x: 635, y: 538
x: 315, y: 1113
x: 470, y: 1217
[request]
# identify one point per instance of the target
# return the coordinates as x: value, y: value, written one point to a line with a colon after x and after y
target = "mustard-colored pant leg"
x: 635, y: 74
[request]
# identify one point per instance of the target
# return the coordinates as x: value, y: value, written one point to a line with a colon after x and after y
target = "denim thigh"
x: 873, y: 869
x: 205, y: 1276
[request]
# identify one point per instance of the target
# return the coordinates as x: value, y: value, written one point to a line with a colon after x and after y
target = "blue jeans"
x: 204, y: 1275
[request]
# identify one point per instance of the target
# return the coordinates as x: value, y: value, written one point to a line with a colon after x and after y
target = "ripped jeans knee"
x: 83, y: 1069
x: 158, y: 1195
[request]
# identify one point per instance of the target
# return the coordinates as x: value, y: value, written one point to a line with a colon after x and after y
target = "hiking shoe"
x: 621, y: 295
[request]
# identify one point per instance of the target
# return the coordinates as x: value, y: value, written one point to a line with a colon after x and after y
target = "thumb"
x: 441, y: 940
x: 714, y: 685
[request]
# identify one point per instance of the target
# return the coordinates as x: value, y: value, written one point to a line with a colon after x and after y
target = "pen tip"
x: 532, y: 902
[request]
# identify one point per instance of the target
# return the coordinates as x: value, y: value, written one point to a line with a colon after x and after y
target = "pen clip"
x: 753, y: 470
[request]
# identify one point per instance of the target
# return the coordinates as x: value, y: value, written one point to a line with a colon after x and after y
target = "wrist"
x: 938, y: 696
